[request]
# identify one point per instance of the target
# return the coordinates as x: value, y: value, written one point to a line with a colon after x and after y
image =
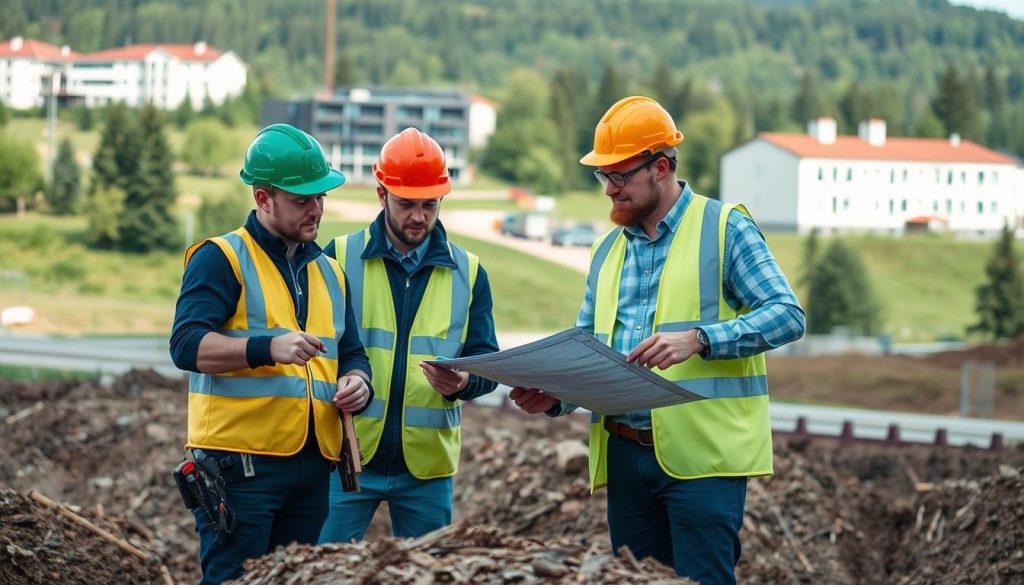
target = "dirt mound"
x: 42, y: 546
x: 109, y: 449
x: 460, y: 553
x: 1006, y: 354
x: 831, y: 514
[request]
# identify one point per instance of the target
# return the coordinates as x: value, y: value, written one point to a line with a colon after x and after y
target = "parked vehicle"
x: 582, y: 234
x: 529, y: 224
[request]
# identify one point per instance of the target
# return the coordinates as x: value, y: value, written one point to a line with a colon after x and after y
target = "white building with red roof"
x: 25, y: 65
x: 871, y: 182
x: 161, y: 74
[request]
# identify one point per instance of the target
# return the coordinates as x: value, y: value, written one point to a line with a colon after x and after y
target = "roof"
x: 185, y: 52
x: 894, y: 149
x: 33, y: 49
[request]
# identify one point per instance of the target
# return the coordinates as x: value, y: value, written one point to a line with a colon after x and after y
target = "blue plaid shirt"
x: 751, y: 278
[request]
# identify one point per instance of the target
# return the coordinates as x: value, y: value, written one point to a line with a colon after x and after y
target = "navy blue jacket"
x: 407, y: 294
x: 209, y: 297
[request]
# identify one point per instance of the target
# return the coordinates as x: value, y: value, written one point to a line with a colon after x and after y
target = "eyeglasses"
x: 619, y: 179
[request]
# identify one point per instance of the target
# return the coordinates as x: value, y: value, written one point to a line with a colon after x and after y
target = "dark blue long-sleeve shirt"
x: 210, y: 292
x: 407, y: 293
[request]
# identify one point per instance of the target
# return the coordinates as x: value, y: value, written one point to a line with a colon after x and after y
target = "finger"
x: 640, y: 349
x: 516, y: 392
x: 533, y: 400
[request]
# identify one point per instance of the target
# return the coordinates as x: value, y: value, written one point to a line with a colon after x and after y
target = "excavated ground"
x: 831, y: 514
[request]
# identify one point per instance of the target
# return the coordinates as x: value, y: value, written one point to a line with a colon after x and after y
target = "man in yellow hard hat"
x: 417, y: 296
x: 687, y: 286
x: 265, y: 326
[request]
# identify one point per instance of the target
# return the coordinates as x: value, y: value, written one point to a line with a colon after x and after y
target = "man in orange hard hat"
x: 687, y: 286
x: 439, y: 306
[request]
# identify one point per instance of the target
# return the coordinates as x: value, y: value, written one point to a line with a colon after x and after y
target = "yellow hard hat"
x: 632, y: 126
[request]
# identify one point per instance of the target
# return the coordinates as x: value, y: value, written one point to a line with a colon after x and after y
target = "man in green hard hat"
x: 265, y: 327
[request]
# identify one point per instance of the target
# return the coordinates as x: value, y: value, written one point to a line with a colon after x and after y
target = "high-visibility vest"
x: 431, y: 424
x: 265, y: 410
x: 729, y: 433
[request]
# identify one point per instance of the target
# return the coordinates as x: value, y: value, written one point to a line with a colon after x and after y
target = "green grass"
x: 33, y: 374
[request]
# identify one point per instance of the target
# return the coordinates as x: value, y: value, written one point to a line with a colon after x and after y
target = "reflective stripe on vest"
x: 431, y: 435
x: 265, y: 410
x: 729, y: 434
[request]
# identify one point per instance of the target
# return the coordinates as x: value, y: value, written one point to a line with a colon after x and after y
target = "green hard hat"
x: 291, y: 160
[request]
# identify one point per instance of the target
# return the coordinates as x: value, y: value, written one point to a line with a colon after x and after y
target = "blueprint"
x: 575, y: 367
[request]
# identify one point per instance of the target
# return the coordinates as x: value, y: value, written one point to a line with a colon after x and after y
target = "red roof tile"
x: 33, y: 49
x: 139, y: 52
x: 894, y: 149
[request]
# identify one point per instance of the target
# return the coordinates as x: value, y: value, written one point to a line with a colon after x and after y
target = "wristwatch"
x: 702, y: 338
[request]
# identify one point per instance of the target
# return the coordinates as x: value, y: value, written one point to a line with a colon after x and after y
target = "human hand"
x: 352, y: 393
x: 663, y: 350
x: 446, y: 382
x: 295, y: 347
x: 533, y: 400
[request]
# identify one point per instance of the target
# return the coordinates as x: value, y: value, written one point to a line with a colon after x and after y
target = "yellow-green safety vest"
x: 729, y: 433
x: 431, y: 424
x: 265, y: 410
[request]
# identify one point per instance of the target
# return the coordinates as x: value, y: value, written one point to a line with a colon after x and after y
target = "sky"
x: 1014, y: 8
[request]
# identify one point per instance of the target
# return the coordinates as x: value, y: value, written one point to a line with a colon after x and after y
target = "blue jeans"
x: 285, y: 501
x: 417, y: 506
x: 690, y: 525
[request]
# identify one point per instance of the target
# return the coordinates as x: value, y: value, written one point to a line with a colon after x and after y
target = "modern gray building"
x: 354, y: 123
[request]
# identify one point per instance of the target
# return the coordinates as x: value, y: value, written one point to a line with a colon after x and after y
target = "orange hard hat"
x: 412, y: 166
x: 632, y: 126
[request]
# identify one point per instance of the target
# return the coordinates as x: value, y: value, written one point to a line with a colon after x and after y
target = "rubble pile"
x: 461, y: 553
x: 831, y: 514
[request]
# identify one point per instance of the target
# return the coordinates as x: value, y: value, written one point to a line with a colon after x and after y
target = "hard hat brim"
x: 593, y: 159
x: 429, y: 192
x: 332, y: 180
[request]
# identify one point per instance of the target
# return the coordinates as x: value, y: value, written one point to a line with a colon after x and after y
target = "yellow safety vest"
x: 431, y: 424
x: 265, y: 410
x: 729, y: 434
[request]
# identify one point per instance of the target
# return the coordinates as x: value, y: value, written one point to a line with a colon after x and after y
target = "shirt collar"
x: 672, y: 219
x: 415, y: 255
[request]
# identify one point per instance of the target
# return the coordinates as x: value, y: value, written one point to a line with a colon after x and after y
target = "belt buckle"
x: 639, y: 438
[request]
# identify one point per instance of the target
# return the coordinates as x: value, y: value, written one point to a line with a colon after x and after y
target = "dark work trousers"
x: 285, y: 501
x: 690, y: 525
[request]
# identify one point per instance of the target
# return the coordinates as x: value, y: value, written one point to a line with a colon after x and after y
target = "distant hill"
x: 740, y: 45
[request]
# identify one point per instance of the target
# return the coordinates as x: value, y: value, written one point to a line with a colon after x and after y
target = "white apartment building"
x: 161, y: 74
x: 25, y: 64
x: 872, y: 183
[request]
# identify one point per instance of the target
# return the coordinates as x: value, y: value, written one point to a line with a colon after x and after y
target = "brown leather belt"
x: 643, y: 436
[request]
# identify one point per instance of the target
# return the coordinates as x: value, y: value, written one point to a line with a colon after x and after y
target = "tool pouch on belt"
x: 201, y: 486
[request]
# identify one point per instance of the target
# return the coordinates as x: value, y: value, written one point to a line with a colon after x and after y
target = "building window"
x: 993, y: 208
x: 372, y: 111
x: 452, y: 113
x: 905, y: 175
x: 981, y: 177
x: 849, y: 175
x: 949, y: 206
x: 892, y: 206
x: 938, y: 177
x: 995, y: 177
x: 935, y: 206
x: 846, y: 204
x: 821, y: 174
x: 903, y: 205
x: 835, y: 174
x: 892, y: 176
x: 370, y: 129
x: 454, y: 173
x: 949, y: 178
x: 447, y: 132
x: 413, y: 112
x: 981, y: 208
x: 347, y: 148
x: 367, y: 170
x: 372, y: 150
x: 963, y: 177
x: 835, y: 203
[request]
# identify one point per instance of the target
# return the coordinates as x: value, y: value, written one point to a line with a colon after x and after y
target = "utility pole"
x: 51, y: 120
x: 332, y: 14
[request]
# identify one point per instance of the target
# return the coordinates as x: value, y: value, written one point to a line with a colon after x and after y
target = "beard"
x: 635, y: 212
x: 400, y: 235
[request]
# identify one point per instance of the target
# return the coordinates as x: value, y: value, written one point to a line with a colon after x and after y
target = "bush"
x: 218, y: 215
